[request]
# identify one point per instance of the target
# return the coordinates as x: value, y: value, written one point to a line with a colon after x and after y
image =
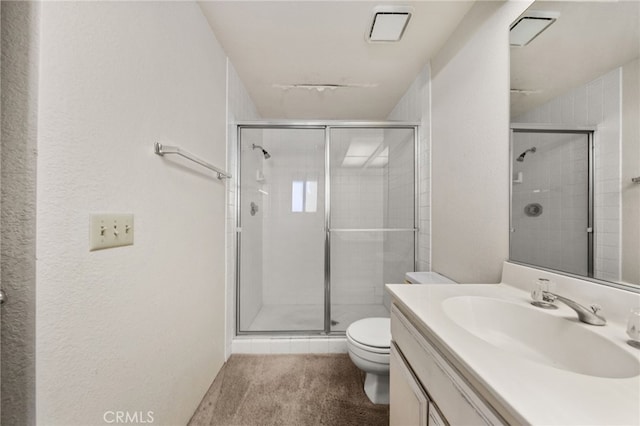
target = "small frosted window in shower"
x: 297, y: 196
x: 304, y: 196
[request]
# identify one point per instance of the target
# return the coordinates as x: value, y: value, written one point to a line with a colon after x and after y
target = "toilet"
x: 368, y: 344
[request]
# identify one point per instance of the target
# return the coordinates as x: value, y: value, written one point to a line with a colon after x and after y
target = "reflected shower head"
x: 264, y: 152
x: 521, y: 157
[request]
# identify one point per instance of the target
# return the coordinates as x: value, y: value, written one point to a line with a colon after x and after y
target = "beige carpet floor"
x: 300, y: 390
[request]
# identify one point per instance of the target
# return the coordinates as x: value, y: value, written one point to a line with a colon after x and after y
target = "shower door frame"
x: 326, y: 125
x: 589, y: 131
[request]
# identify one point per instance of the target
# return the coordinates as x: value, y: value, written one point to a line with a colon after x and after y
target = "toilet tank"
x: 426, y: 278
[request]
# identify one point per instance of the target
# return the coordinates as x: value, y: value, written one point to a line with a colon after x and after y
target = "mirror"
x: 575, y: 140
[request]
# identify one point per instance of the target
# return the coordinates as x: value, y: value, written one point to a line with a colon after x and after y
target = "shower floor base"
x: 311, y: 317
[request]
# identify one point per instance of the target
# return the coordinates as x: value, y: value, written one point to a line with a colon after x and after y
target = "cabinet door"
x: 408, y: 402
x: 435, y: 418
x: 456, y: 400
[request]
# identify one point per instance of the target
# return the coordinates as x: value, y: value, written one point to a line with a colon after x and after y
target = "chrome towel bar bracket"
x: 166, y: 149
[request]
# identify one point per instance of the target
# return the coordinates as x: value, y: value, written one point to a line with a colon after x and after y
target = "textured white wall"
x: 138, y: 328
x: 470, y: 145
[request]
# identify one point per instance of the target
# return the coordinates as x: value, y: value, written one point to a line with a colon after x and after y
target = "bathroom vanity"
x: 482, y: 354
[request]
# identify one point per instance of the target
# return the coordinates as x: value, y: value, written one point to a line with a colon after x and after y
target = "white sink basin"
x: 538, y: 336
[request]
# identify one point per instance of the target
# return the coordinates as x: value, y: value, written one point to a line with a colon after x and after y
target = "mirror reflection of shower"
x: 521, y: 157
x: 264, y: 152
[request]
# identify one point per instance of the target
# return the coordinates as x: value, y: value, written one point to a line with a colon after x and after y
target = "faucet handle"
x: 595, y: 308
x: 548, y: 297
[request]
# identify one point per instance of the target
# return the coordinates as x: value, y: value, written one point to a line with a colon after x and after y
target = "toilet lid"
x: 374, y: 332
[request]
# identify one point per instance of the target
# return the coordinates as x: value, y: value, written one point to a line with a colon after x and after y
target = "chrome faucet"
x: 587, y: 315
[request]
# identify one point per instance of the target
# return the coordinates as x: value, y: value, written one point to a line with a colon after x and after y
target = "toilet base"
x: 376, y: 386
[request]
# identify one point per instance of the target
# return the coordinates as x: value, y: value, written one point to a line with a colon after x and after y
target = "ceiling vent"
x: 388, y: 23
x: 529, y: 26
x: 322, y: 87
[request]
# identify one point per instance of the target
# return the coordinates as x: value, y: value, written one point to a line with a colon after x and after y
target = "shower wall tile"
x: 337, y: 346
x: 597, y: 103
x: 252, y: 255
x: 239, y: 107
x: 319, y: 346
x: 415, y: 106
x: 567, y: 115
x: 357, y: 267
x: 241, y: 346
x: 357, y: 199
x: 260, y: 346
x: 289, y: 345
x: 299, y: 346
x: 580, y: 108
x: 280, y: 346
x: 293, y: 242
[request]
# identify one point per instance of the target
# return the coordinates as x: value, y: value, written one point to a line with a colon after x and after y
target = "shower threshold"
x: 282, y: 318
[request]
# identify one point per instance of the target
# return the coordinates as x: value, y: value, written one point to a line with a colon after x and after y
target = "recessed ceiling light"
x: 529, y: 26
x: 388, y: 23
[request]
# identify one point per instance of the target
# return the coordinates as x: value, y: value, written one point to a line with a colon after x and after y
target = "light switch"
x: 110, y: 230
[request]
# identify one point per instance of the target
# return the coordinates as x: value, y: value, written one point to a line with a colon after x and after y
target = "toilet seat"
x: 368, y: 344
x: 371, y: 335
x: 368, y: 349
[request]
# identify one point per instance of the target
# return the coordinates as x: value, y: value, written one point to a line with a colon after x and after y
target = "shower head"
x: 521, y: 157
x: 264, y: 152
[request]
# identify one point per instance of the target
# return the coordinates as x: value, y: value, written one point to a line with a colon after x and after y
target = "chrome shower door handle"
x: 3, y: 297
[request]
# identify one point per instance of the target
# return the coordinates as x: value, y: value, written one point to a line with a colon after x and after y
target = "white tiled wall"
x: 415, y: 106
x: 400, y: 207
x: 252, y: 236
x: 357, y: 198
x: 290, y: 345
x: 239, y: 107
x: 597, y: 103
x: 370, y: 197
x: 293, y: 242
x: 400, y: 179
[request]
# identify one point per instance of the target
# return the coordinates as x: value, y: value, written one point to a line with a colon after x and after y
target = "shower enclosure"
x: 552, y: 198
x: 326, y: 216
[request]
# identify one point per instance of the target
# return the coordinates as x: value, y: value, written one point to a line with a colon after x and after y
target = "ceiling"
x: 273, y: 44
x: 588, y: 40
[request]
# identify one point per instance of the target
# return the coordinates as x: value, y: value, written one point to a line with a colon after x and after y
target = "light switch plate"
x: 110, y: 230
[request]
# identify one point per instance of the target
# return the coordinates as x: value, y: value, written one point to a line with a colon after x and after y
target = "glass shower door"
x: 282, y: 223
x: 372, y: 219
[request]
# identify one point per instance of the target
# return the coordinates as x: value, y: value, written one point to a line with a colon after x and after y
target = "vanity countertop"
x: 530, y: 392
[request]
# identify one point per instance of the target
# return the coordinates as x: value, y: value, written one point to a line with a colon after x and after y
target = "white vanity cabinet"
x: 410, y: 404
x: 425, y: 388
